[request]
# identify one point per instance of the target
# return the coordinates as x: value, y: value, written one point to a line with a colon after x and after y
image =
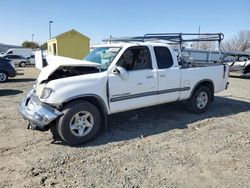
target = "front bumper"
x: 39, y: 115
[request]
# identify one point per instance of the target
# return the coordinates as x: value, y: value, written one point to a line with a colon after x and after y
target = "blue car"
x: 7, y: 70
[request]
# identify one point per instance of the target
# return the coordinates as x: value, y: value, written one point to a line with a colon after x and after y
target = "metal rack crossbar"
x: 177, y: 38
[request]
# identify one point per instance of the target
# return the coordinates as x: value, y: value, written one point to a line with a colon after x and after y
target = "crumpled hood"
x: 54, y: 62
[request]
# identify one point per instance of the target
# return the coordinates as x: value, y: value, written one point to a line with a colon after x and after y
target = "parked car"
x: 240, y: 64
x: 25, y: 52
x: 18, y: 60
x: 73, y: 97
x: 7, y: 69
x: 31, y: 59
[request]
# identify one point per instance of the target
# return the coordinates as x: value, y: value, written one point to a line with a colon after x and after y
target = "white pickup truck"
x: 74, y: 97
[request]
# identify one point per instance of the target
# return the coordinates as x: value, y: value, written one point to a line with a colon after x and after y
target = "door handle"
x: 162, y: 76
x: 151, y: 76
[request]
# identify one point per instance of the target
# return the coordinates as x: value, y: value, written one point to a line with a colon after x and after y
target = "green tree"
x: 29, y: 44
x: 44, y: 46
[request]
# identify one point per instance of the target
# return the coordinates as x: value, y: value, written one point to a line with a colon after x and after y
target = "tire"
x: 3, y: 77
x: 80, y: 123
x: 200, y: 100
x: 22, y: 64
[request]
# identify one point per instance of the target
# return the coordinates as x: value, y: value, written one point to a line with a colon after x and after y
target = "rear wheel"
x: 200, y: 100
x: 22, y: 64
x: 80, y: 123
x: 3, y: 76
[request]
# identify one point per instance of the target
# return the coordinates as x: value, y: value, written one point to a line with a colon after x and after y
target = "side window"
x: 14, y: 56
x: 163, y: 57
x: 10, y: 52
x: 135, y: 58
x: 9, y: 56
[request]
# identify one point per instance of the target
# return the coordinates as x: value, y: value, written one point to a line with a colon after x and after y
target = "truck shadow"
x: 158, y: 119
x: 7, y: 92
x: 16, y: 80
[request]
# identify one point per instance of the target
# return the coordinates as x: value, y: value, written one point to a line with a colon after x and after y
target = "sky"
x: 98, y: 19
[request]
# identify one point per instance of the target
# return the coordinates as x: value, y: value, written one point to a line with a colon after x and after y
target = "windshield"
x: 103, y: 56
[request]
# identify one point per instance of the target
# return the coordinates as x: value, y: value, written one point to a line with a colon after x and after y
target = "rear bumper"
x: 39, y: 115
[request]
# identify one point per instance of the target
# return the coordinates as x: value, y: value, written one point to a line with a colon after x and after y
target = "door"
x: 137, y: 87
x: 13, y: 58
x: 54, y: 49
x: 168, y: 76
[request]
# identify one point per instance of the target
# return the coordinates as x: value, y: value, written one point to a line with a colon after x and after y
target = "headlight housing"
x: 46, y: 93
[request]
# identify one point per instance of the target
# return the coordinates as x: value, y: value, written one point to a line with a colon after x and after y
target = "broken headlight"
x: 46, y: 93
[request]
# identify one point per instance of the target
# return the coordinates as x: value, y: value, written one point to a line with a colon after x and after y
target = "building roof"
x: 67, y: 32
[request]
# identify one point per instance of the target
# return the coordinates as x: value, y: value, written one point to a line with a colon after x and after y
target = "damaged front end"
x: 39, y: 115
x: 34, y: 107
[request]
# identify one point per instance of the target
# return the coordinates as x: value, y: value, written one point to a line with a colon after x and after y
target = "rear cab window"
x: 163, y: 57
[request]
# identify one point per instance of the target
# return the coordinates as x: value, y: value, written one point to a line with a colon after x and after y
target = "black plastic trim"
x: 115, y: 99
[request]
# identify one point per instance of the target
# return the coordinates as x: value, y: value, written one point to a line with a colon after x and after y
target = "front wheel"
x: 3, y: 76
x: 200, y: 100
x: 80, y: 123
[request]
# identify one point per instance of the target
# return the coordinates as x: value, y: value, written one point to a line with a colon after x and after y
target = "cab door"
x: 134, y: 83
x: 168, y: 75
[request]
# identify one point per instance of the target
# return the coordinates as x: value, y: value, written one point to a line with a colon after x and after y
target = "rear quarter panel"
x: 191, y: 77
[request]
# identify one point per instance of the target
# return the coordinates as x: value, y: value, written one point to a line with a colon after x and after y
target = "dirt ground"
x: 162, y: 146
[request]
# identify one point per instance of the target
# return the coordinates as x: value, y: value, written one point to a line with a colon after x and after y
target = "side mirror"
x: 123, y: 73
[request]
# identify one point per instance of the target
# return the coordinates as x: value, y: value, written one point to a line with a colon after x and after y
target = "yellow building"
x: 69, y: 44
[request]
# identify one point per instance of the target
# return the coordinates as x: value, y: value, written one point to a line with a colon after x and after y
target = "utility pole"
x: 50, y: 22
x: 199, y: 32
x: 32, y: 37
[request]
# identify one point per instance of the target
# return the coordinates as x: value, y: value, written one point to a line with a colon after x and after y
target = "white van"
x: 25, y: 52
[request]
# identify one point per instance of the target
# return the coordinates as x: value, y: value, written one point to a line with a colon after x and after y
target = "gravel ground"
x: 162, y: 146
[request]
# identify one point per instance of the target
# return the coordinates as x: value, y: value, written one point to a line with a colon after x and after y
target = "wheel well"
x: 5, y: 72
x: 94, y: 100
x: 207, y: 83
